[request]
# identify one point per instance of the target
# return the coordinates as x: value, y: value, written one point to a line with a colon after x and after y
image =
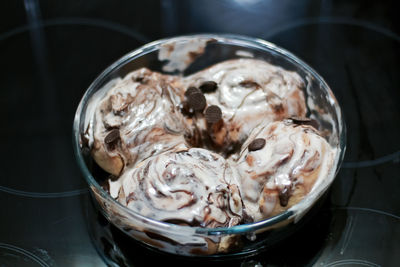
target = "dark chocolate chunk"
x: 185, y: 109
x: 213, y: 114
x: 284, y: 196
x: 197, y: 101
x: 208, y: 87
x: 257, y: 144
x: 192, y: 90
x: 112, y: 136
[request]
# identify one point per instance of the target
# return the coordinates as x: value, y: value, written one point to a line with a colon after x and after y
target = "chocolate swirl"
x: 285, y: 169
x: 142, y: 107
x: 249, y: 92
x: 142, y: 138
x: 194, y: 187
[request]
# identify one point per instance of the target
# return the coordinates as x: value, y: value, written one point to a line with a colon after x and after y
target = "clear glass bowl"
x: 212, y: 242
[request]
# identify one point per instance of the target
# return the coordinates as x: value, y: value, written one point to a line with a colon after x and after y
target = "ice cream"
x: 191, y: 187
x: 279, y: 164
x: 213, y: 149
x: 248, y: 92
x: 136, y: 119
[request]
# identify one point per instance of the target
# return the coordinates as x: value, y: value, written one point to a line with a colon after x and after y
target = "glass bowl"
x: 202, y: 51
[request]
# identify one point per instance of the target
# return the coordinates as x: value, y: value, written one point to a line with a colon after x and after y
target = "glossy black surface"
x: 50, y: 51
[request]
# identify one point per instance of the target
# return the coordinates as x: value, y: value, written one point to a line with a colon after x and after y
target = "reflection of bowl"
x: 241, y: 239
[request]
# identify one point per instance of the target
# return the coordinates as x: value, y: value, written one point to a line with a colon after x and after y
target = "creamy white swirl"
x: 285, y: 169
x: 139, y: 135
x: 143, y: 108
x: 249, y: 92
x: 195, y: 187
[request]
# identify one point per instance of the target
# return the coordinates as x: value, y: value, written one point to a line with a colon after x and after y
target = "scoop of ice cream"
x: 136, y: 119
x: 248, y: 92
x: 280, y: 164
x: 193, y: 187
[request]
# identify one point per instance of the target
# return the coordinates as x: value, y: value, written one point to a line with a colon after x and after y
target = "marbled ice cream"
x: 213, y: 149
x: 191, y: 187
x: 282, y: 160
x: 249, y: 92
x: 136, y: 119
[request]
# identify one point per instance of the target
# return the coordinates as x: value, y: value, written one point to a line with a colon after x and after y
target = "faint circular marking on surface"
x: 332, y: 20
x: 393, y: 157
x: 368, y: 210
x: 79, y: 21
x: 43, y: 195
x: 15, y: 253
x: 60, y: 22
x: 352, y: 262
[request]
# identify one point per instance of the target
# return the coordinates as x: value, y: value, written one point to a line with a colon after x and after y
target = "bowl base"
x: 118, y: 249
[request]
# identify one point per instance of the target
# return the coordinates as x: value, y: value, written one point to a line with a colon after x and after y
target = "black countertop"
x: 50, y: 51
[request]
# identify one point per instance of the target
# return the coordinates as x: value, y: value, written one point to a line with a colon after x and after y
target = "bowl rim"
x: 223, y: 38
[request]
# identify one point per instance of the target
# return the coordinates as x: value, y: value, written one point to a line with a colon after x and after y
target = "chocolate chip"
x: 112, y: 136
x: 208, y: 87
x: 192, y: 90
x: 284, y: 196
x: 257, y: 144
x: 213, y: 114
x: 185, y: 109
x: 197, y: 101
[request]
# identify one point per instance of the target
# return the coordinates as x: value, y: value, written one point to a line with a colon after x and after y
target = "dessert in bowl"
x: 205, y: 144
